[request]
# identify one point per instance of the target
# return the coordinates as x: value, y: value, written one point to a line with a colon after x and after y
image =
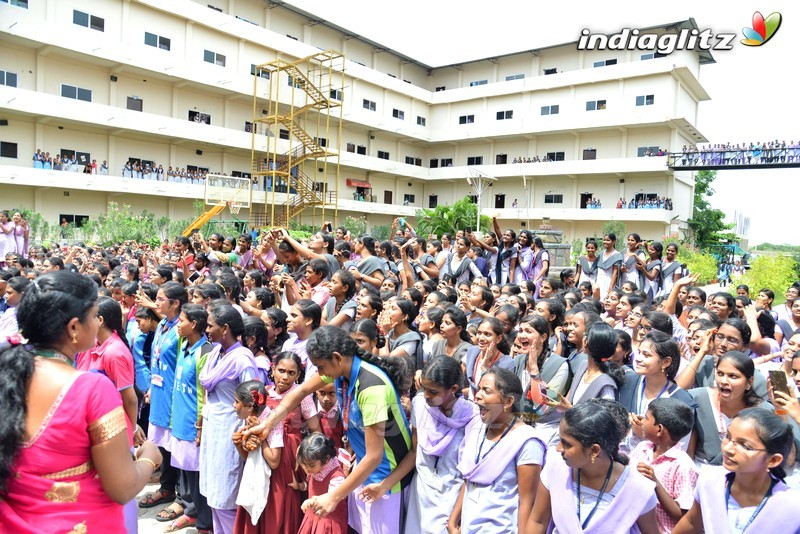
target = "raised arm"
x: 669, y: 304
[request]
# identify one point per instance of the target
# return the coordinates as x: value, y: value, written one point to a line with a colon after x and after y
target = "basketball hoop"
x: 234, y: 207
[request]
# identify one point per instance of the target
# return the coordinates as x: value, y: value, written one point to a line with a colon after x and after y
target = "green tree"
x: 441, y: 219
x: 707, y: 223
x: 617, y: 228
x: 357, y: 226
x: 700, y: 263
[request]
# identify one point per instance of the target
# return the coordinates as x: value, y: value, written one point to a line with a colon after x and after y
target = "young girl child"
x: 255, y: 338
x: 746, y: 494
x: 439, y: 418
x: 317, y: 457
x: 330, y: 416
x: 341, y: 307
x: 256, y: 502
x: 286, y: 373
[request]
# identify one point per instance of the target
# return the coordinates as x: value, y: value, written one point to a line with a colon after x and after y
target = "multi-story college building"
x: 173, y: 84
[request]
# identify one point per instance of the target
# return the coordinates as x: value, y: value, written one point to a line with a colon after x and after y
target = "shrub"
x: 699, y: 263
x: 770, y: 272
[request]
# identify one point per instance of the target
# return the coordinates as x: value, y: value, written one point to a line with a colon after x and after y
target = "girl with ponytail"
x: 63, y: 434
x: 748, y: 490
x: 375, y: 426
x: 611, y: 495
x: 112, y: 357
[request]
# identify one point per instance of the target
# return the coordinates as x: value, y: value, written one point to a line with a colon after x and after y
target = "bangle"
x: 198, y: 426
x: 148, y: 460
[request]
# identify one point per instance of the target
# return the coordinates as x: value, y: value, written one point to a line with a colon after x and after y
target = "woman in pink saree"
x: 66, y: 463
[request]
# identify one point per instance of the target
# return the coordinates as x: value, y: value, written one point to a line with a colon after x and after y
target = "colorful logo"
x: 762, y: 30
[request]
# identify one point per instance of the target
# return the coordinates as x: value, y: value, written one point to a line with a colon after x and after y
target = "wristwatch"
x: 536, y: 376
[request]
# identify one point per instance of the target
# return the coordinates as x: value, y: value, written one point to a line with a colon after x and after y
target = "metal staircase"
x: 302, y: 191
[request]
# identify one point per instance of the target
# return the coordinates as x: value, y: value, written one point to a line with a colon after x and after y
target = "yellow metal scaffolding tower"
x: 304, y: 107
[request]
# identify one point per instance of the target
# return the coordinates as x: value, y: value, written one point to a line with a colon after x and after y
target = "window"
x: 291, y: 37
x: 321, y: 141
x: 605, y: 63
x: 8, y: 150
x: 283, y: 134
x: 466, y: 119
x: 200, y: 118
x: 392, y: 76
x: 505, y: 115
x: 408, y: 199
x: 383, y: 154
x: 399, y: 114
x: 410, y: 160
x: 151, y: 39
x: 555, y: 156
x: 215, y: 8
x: 135, y: 103
x: 69, y: 91
x: 336, y: 94
x: 593, y: 105
x: 550, y: 110
x: 77, y: 220
x: 651, y: 55
x: 515, y: 77
x: 550, y: 71
x: 645, y: 100
x: 88, y: 21
x: 473, y: 198
x: 553, y: 199
x: 501, y: 159
x: 440, y: 88
x: 16, y: 3
x: 361, y: 149
x: 475, y: 160
x: 8, y: 78
x: 500, y: 201
x: 447, y: 162
x: 478, y: 82
x: 248, y: 126
x: 291, y: 83
x: 369, y: 104
x: 433, y: 201
x: 213, y: 58
x: 422, y: 121
x: 434, y: 163
x: 261, y: 73
x: 643, y: 151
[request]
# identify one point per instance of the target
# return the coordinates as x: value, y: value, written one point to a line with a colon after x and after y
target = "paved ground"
x: 147, y: 517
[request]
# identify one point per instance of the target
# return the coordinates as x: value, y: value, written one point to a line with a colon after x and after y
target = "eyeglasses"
x: 738, y: 445
x: 719, y: 338
x: 163, y: 299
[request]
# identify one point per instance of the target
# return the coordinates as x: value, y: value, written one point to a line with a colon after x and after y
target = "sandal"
x: 170, y: 513
x: 155, y: 498
x: 181, y: 523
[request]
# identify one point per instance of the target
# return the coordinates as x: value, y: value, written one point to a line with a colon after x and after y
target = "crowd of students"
x: 447, y: 384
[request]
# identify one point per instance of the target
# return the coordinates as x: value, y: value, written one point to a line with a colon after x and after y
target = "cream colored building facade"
x: 123, y: 79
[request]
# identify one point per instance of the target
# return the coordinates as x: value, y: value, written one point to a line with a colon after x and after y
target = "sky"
x: 753, y: 93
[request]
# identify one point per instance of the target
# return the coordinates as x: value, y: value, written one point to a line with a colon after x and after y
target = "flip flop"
x: 181, y: 523
x: 169, y: 513
x: 155, y: 498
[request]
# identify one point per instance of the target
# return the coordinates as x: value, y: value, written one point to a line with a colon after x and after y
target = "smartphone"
x: 778, y: 379
x: 194, y: 276
x: 468, y: 230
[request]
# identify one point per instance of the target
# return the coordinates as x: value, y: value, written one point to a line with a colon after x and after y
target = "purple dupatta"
x: 228, y: 365
x: 439, y: 430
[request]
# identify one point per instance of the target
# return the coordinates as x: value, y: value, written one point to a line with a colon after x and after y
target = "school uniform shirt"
x: 162, y: 369
x: 675, y: 471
